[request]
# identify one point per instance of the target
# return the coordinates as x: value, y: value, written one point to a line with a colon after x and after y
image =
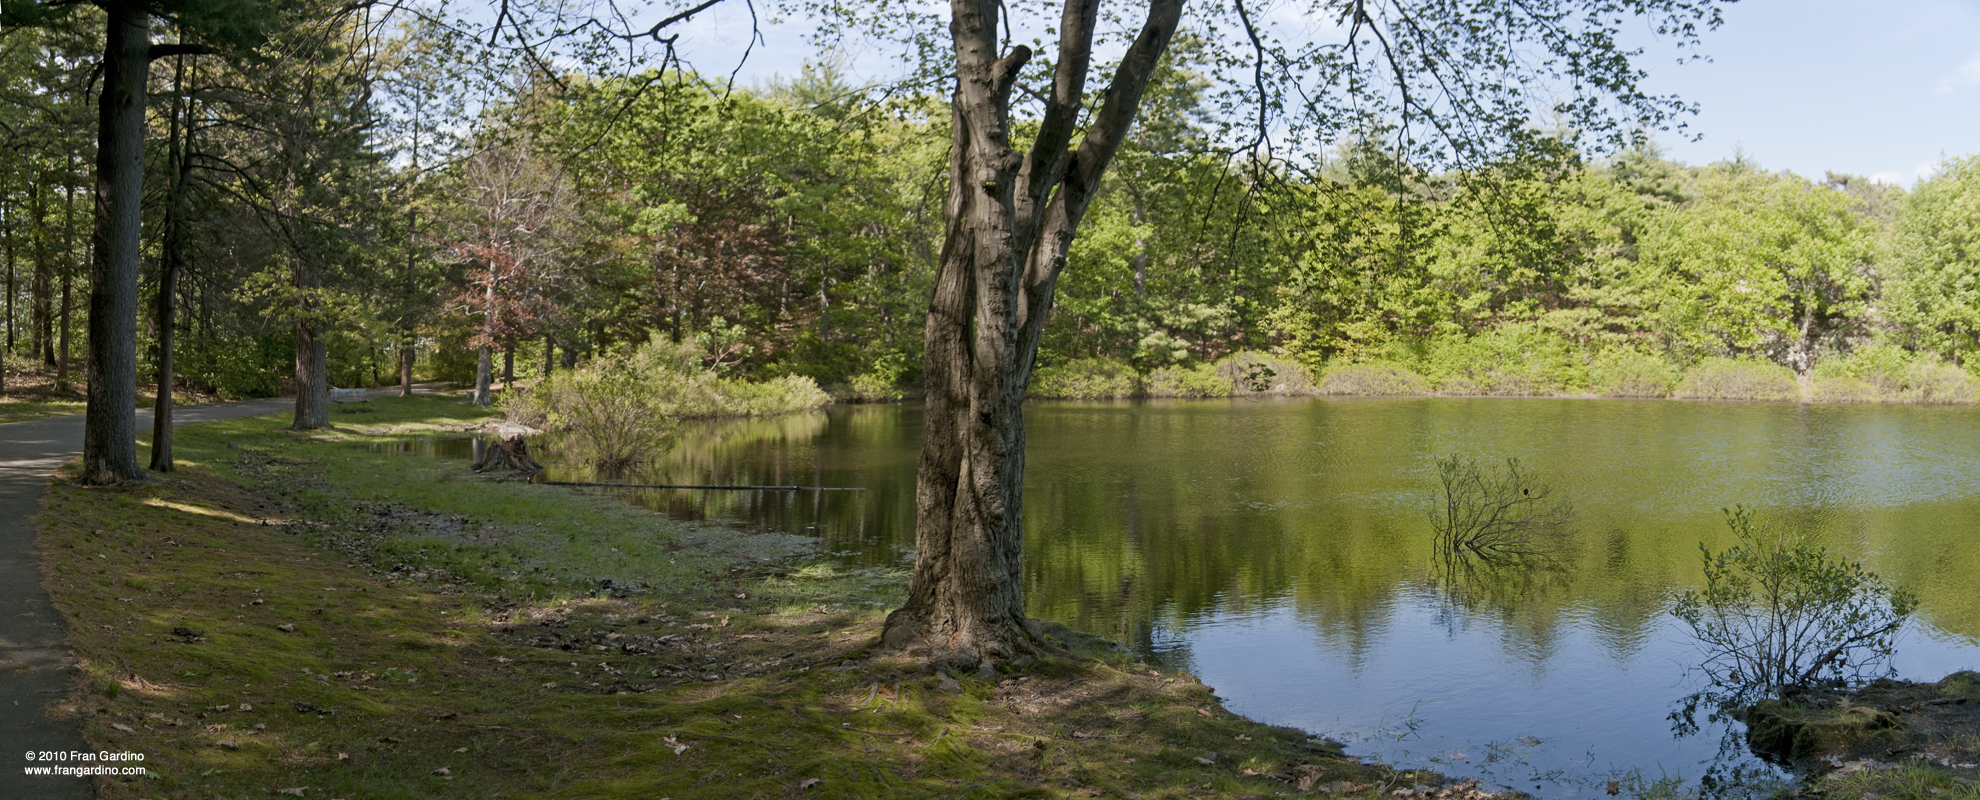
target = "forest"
x: 420, y: 203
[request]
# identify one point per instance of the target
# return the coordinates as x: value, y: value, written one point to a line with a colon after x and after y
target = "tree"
x: 1934, y: 269
x: 1012, y: 214
x: 515, y: 205
x: 110, y: 424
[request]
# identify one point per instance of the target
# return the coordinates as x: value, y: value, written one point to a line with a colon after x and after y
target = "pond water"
x: 1281, y: 551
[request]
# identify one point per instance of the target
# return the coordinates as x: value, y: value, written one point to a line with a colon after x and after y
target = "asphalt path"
x: 35, y: 664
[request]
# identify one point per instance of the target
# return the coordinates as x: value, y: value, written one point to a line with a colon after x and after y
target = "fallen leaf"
x: 809, y: 782
x: 122, y: 727
x: 229, y: 744
x: 296, y: 791
x: 343, y: 756
x: 443, y: 772
x: 1203, y: 711
x: 247, y: 707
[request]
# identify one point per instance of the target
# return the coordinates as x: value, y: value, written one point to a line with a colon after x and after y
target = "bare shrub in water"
x: 1777, y: 613
x: 1501, y: 533
x: 1502, y: 514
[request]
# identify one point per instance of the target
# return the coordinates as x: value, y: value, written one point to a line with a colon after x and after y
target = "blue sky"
x: 1883, y: 89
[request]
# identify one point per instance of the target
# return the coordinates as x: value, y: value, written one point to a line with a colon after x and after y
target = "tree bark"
x: 312, y: 376
x: 549, y: 354
x: 482, y: 374
x: 110, y: 418
x: 1010, y: 219
x: 68, y: 275
x: 508, y: 365
x: 44, y: 277
x: 171, y: 254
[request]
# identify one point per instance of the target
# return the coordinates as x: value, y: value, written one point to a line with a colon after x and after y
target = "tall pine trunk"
x: 1010, y: 219
x: 110, y: 419
x: 68, y: 276
x: 171, y: 256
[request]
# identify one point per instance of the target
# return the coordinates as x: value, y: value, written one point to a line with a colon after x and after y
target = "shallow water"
x: 1280, y: 550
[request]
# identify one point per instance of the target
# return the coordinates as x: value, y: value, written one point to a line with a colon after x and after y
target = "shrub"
x: 1513, y: 359
x: 1934, y: 382
x: 1196, y: 382
x: 619, y: 410
x: 1777, y: 613
x: 1500, y: 534
x: 1374, y: 378
x: 1627, y: 373
x: 1884, y: 373
x: 1086, y: 379
x: 882, y: 383
x: 1738, y: 379
x: 1252, y: 372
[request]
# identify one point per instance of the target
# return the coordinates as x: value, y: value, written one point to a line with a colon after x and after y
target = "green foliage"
x: 1738, y: 379
x: 1200, y: 381
x: 1086, y: 379
x: 1933, y: 291
x: 1778, y: 613
x: 1253, y: 372
x: 619, y: 410
x: 1514, y: 359
x: 1372, y: 378
x: 883, y: 383
x: 1627, y: 373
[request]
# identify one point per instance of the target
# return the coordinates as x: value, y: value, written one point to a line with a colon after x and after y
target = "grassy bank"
x: 300, y: 615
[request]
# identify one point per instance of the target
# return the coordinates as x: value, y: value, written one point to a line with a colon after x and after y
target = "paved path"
x: 35, y: 666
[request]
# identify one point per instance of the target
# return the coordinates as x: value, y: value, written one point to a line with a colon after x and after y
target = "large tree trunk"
x: 110, y: 419
x: 312, y: 376
x: 1011, y: 218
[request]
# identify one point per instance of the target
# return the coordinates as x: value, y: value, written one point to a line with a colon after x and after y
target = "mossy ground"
x: 1934, y: 754
x: 295, y: 613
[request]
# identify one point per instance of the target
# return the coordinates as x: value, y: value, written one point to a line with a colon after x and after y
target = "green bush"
x: 1934, y: 382
x: 1627, y: 373
x: 1888, y: 374
x: 1252, y: 373
x: 621, y: 409
x: 1778, y: 613
x: 881, y: 384
x: 1738, y: 379
x: 1373, y: 378
x: 1196, y: 382
x: 1086, y: 379
x: 1514, y: 359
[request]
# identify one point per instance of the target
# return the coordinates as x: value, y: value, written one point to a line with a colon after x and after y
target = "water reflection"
x: 1279, y: 549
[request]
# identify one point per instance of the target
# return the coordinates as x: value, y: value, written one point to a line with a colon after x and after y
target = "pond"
x: 1281, y: 550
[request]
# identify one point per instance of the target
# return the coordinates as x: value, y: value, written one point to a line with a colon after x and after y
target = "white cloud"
x: 1922, y: 171
x: 1967, y: 75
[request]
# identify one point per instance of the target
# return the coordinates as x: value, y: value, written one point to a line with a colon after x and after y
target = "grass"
x: 31, y: 393
x: 297, y: 612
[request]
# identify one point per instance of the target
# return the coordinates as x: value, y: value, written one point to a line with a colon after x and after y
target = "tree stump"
x: 511, y: 454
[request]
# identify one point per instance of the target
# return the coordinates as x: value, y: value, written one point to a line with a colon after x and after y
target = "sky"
x: 1885, y: 89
